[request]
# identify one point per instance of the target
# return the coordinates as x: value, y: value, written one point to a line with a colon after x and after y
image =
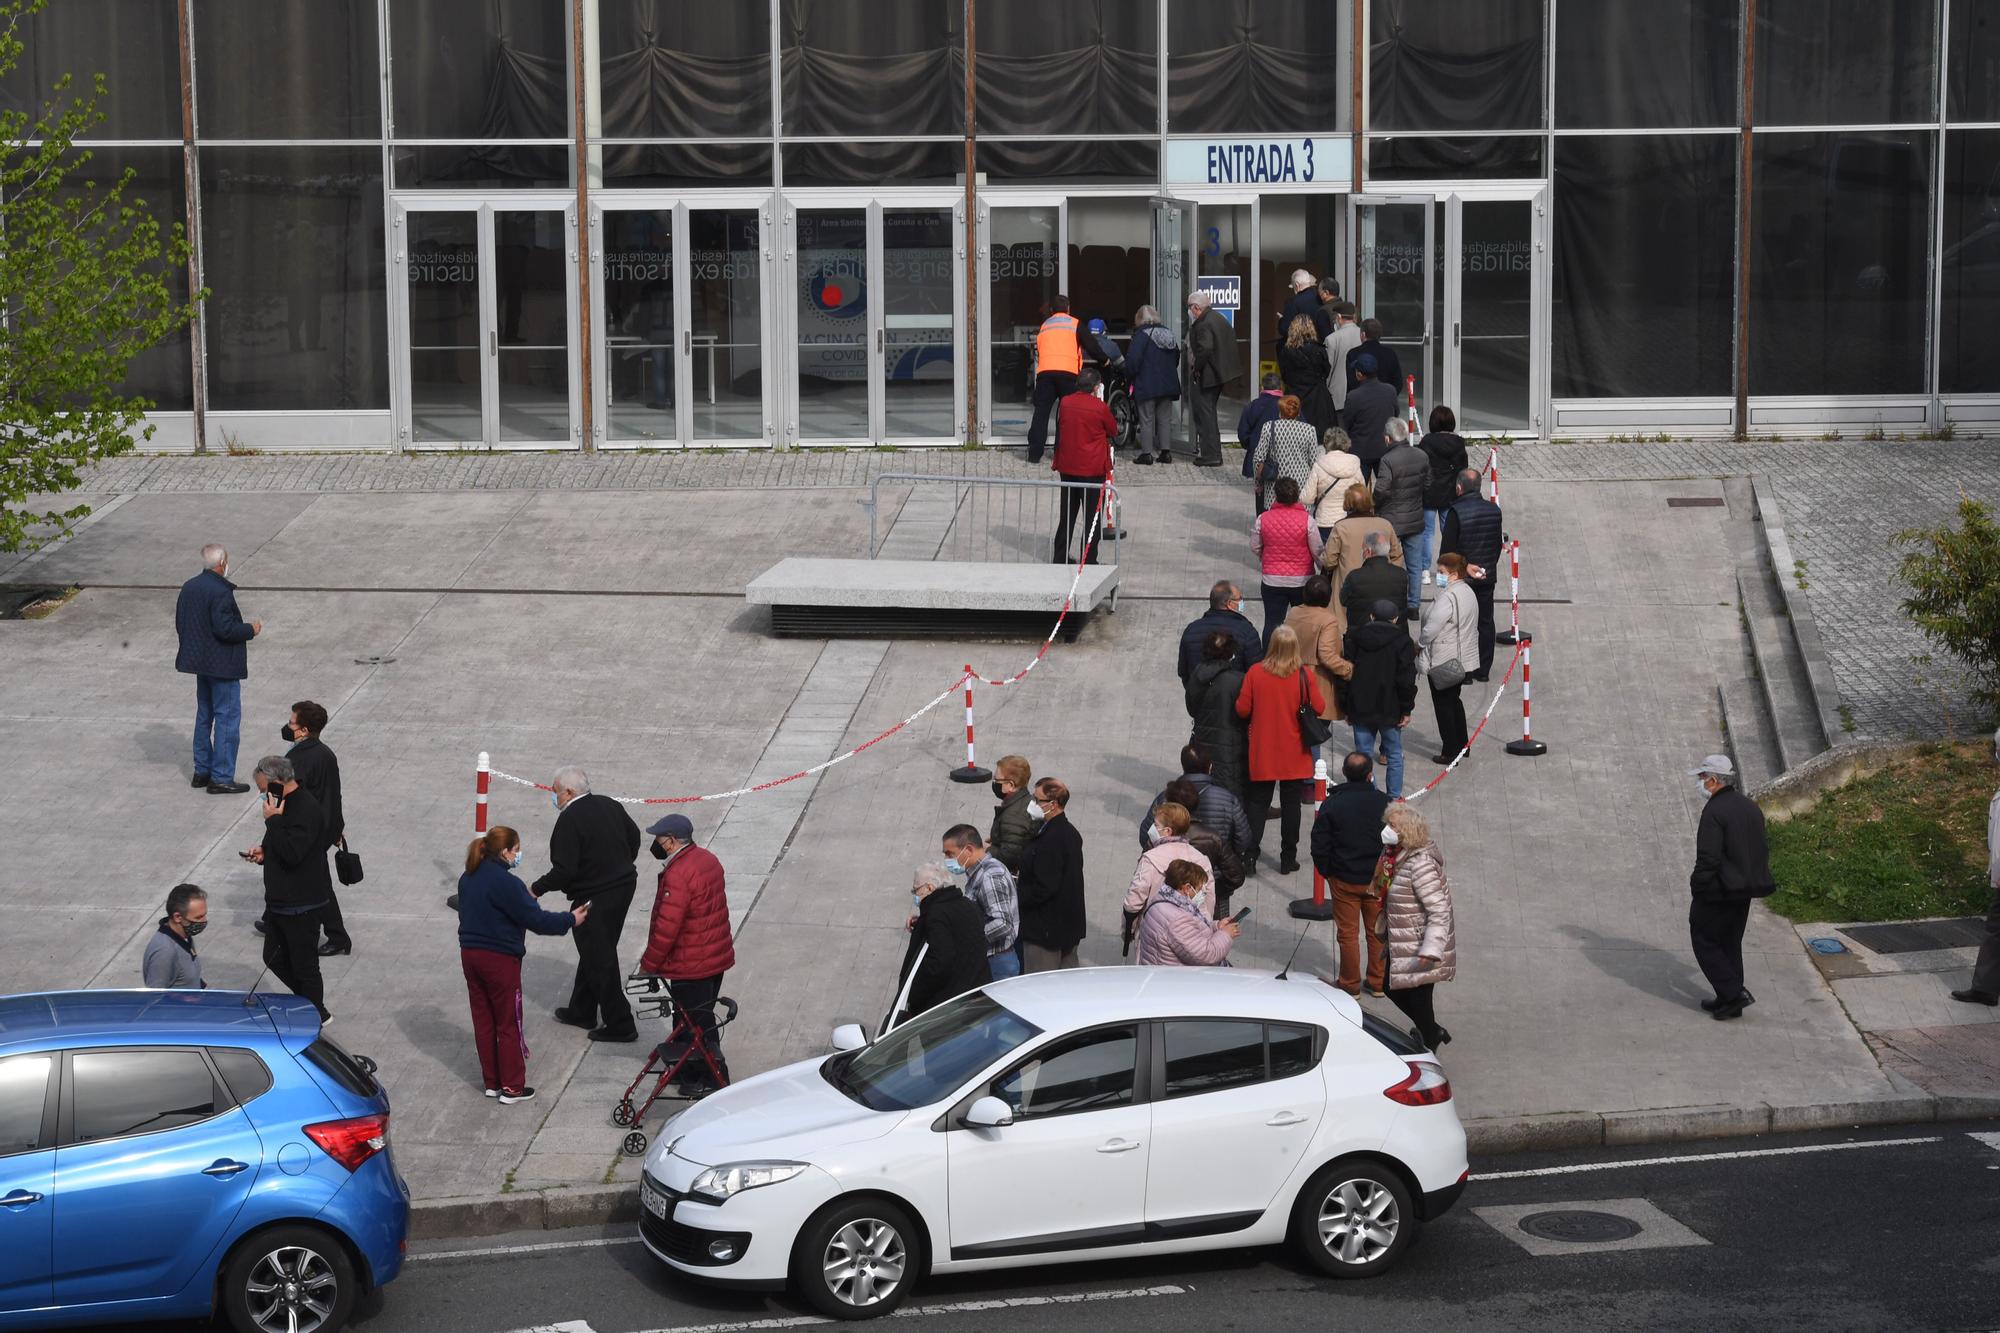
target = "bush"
x: 1954, y: 581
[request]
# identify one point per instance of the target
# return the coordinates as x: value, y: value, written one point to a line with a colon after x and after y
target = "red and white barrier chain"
x: 1484, y: 718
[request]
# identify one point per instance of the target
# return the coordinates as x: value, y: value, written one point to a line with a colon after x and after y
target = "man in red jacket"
x: 689, y: 941
x: 1084, y: 431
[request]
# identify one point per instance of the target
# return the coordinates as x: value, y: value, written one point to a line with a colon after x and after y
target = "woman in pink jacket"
x: 1286, y: 543
x: 1170, y: 844
x: 1174, y: 930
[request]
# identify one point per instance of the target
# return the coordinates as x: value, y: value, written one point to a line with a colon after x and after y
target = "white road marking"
x: 495, y: 1251
x: 1704, y: 1157
x: 951, y: 1307
x: 1990, y: 1139
x: 566, y: 1326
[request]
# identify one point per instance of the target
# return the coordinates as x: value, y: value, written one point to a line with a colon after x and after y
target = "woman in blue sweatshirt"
x: 495, y: 912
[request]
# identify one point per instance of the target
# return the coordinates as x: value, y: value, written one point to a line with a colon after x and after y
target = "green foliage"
x: 1907, y: 842
x: 1954, y: 581
x: 83, y: 289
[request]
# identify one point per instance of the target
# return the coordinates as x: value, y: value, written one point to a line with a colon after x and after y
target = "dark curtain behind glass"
x: 134, y: 44
x: 873, y: 67
x: 1647, y: 64
x: 292, y: 254
x: 1837, y: 262
x: 288, y: 69
x: 1845, y: 62
x: 1974, y: 64
x: 1078, y: 161
x: 1257, y: 66
x: 1644, y: 259
x: 690, y: 164
x: 1968, y: 353
x: 1428, y: 157
x: 1069, y: 67
x: 480, y: 69
x: 685, y: 69
x: 1455, y: 64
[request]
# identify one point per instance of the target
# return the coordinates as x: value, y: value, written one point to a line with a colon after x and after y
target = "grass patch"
x: 45, y: 607
x: 1907, y: 842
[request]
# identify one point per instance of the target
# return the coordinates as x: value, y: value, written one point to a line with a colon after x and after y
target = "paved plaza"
x: 590, y: 610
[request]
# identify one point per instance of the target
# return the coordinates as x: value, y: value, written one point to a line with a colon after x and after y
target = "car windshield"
x: 931, y: 1056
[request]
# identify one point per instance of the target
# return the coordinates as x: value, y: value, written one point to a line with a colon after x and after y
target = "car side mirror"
x: 849, y: 1037
x: 989, y: 1113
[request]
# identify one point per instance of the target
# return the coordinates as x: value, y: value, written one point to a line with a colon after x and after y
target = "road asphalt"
x: 1825, y: 1231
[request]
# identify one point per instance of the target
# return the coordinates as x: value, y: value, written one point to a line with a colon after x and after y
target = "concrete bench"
x: 824, y: 598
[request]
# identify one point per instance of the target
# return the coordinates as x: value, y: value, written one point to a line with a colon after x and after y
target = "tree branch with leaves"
x: 1954, y: 579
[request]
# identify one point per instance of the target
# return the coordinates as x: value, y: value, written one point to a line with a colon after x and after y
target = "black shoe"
x: 452, y: 902
x: 1745, y: 1000
x: 331, y: 950
x: 1722, y: 1012
x: 1144, y: 460
x: 200, y: 780
x: 259, y: 926
x: 227, y: 788
x: 1208, y: 462
x: 517, y: 1095
x: 1442, y: 1039
x: 565, y: 1016
x: 1288, y: 867
x: 1163, y: 458
x: 1443, y: 760
x: 614, y: 1034
x: 1987, y: 998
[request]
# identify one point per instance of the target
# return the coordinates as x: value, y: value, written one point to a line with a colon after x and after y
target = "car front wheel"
x: 857, y: 1260
x: 289, y: 1280
x: 1354, y: 1219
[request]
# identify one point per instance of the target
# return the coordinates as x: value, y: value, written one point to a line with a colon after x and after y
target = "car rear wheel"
x: 289, y: 1280
x: 1354, y: 1219
x: 857, y: 1260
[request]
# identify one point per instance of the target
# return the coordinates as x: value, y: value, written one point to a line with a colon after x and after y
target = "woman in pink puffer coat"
x: 1174, y: 930
x: 1416, y: 919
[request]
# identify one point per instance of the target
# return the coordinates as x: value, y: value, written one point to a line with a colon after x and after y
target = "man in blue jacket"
x: 213, y: 635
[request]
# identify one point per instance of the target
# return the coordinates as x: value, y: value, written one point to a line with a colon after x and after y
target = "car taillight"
x: 351, y: 1142
x: 1426, y: 1086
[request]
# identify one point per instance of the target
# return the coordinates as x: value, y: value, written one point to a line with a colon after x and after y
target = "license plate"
x: 654, y: 1201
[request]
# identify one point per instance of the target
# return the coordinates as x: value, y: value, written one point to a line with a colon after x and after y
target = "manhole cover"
x: 1579, y: 1227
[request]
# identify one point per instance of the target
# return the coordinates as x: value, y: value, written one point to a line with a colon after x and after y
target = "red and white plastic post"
x: 1493, y: 475
x: 1317, y: 907
x: 1410, y: 389
x: 1527, y: 745
x: 480, y: 785
x: 1512, y: 634
x: 971, y: 771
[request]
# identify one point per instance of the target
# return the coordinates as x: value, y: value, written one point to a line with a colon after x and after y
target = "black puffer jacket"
x: 1384, y: 687
x: 953, y: 929
x: 1447, y: 454
x: 1211, y: 702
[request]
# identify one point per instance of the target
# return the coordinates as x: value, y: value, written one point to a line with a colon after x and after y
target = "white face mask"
x: 1390, y: 837
x: 1200, y: 899
x: 1160, y: 834
x: 1035, y: 811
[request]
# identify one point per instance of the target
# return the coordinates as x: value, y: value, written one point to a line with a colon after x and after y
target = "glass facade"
x: 389, y: 231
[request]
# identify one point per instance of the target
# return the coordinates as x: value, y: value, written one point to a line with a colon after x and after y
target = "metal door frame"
x: 1355, y: 203
x: 483, y: 207
x: 1450, y: 375
x: 987, y: 203
x: 681, y: 206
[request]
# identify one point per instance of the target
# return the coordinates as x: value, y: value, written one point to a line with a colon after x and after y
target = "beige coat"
x: 1416, y: 921
x: 1341, y: 555
x: 1319, y: 634
x: 1326, y: 488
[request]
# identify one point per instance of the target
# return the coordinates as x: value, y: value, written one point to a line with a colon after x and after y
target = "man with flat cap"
x: 689, y: 942
x: 1732, y: 865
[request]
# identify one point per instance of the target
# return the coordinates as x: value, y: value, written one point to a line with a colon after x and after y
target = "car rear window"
x: 341, y: 1067
x: 1397, y: 1040
x: 246, y: 1075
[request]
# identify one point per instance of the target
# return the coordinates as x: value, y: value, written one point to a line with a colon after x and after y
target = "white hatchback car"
x: 1096, y: 1113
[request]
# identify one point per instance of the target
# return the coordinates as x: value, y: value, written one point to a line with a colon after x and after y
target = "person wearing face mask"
x: 319, y: 773
x: 1054, y: 916
x: 991, y: 888
x: 592, y: 853
x: 1417, y: 920
x: 495, y: 912
x: 1732, y: 865
x: 1169, y: 844
x: 171, y: 962
x: 212, y: 647
x: 689, y: 942
x: 1345, y: 848
x: 1008, y: 838
x: 947, y: 946
x: 1174, y: 929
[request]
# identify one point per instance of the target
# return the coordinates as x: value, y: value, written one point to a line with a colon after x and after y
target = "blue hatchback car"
x: 174, y: 1153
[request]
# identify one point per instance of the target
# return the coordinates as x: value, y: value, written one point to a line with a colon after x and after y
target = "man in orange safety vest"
x: 1058, y: 358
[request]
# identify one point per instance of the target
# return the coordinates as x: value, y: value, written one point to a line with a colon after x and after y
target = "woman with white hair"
x: 1416, y: 919
x: 947, y: 941
x: 1326, y: 485
x: 1153, y: 361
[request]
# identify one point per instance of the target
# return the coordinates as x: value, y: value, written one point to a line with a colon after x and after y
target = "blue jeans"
x: 1006, y: 963
x: 1417, y: 548
x: 1391, y: 738
x: 218, y: 708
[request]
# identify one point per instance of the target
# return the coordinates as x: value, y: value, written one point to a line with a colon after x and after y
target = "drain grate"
x: 1577, y: 1226
x: 1695, y: 502
x: 1958, y: 932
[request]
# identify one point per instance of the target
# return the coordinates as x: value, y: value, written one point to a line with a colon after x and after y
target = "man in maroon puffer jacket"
x: 689, y: 942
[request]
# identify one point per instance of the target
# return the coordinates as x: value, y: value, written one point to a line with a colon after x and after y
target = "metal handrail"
x: 1001, y: 520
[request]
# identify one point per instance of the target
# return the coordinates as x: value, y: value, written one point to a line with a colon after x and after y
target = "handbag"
x: 1314, y: 730
x: 346, y: 864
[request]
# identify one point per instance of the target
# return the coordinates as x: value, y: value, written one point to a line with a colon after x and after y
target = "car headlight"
x: 719, y: 1182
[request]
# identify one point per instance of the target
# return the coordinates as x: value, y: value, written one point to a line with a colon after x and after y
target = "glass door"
x: 1173, y: 240
x: 1495, y: 280
x: 917, y: 373
x: 487, y: 318
x: 1021, y: 246
x: 1391, y: 239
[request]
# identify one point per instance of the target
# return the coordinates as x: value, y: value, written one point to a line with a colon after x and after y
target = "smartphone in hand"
x: 1238, y: 918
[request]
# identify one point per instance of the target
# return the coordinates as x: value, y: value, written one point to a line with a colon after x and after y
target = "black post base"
x: 1529, y: 748
x: 1509, y: 638
x: 1305, y: 909
x: 968, y: 774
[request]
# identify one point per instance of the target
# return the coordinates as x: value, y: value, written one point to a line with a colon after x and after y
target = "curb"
x: 1805, y: 630
x: 548, y: 1210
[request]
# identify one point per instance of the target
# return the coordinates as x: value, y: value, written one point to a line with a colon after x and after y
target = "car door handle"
x: 1285, y: 1119
x: 1118, y: 1145
x: 19, y: 1199
x: 224, y: 1167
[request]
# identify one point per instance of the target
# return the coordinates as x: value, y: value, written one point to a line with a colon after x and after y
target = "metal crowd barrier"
x: 999, y: 520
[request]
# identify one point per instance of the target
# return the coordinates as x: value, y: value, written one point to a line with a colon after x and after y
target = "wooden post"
x: 1358, y: 65
x: 191, y: 176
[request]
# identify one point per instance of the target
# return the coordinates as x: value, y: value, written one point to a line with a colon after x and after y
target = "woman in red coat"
x: 1272, y: 691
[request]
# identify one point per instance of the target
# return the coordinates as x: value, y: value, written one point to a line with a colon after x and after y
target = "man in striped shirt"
x: 989, y: 884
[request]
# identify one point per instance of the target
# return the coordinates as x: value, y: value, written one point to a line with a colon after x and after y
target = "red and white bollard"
x: 1493, y: 475
x: 971, y: 771
x: 479, y: 787
x: 1527, y: 745
x: 1317, y: 907
x: 1512, y: 634
x: 1416, y: 427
